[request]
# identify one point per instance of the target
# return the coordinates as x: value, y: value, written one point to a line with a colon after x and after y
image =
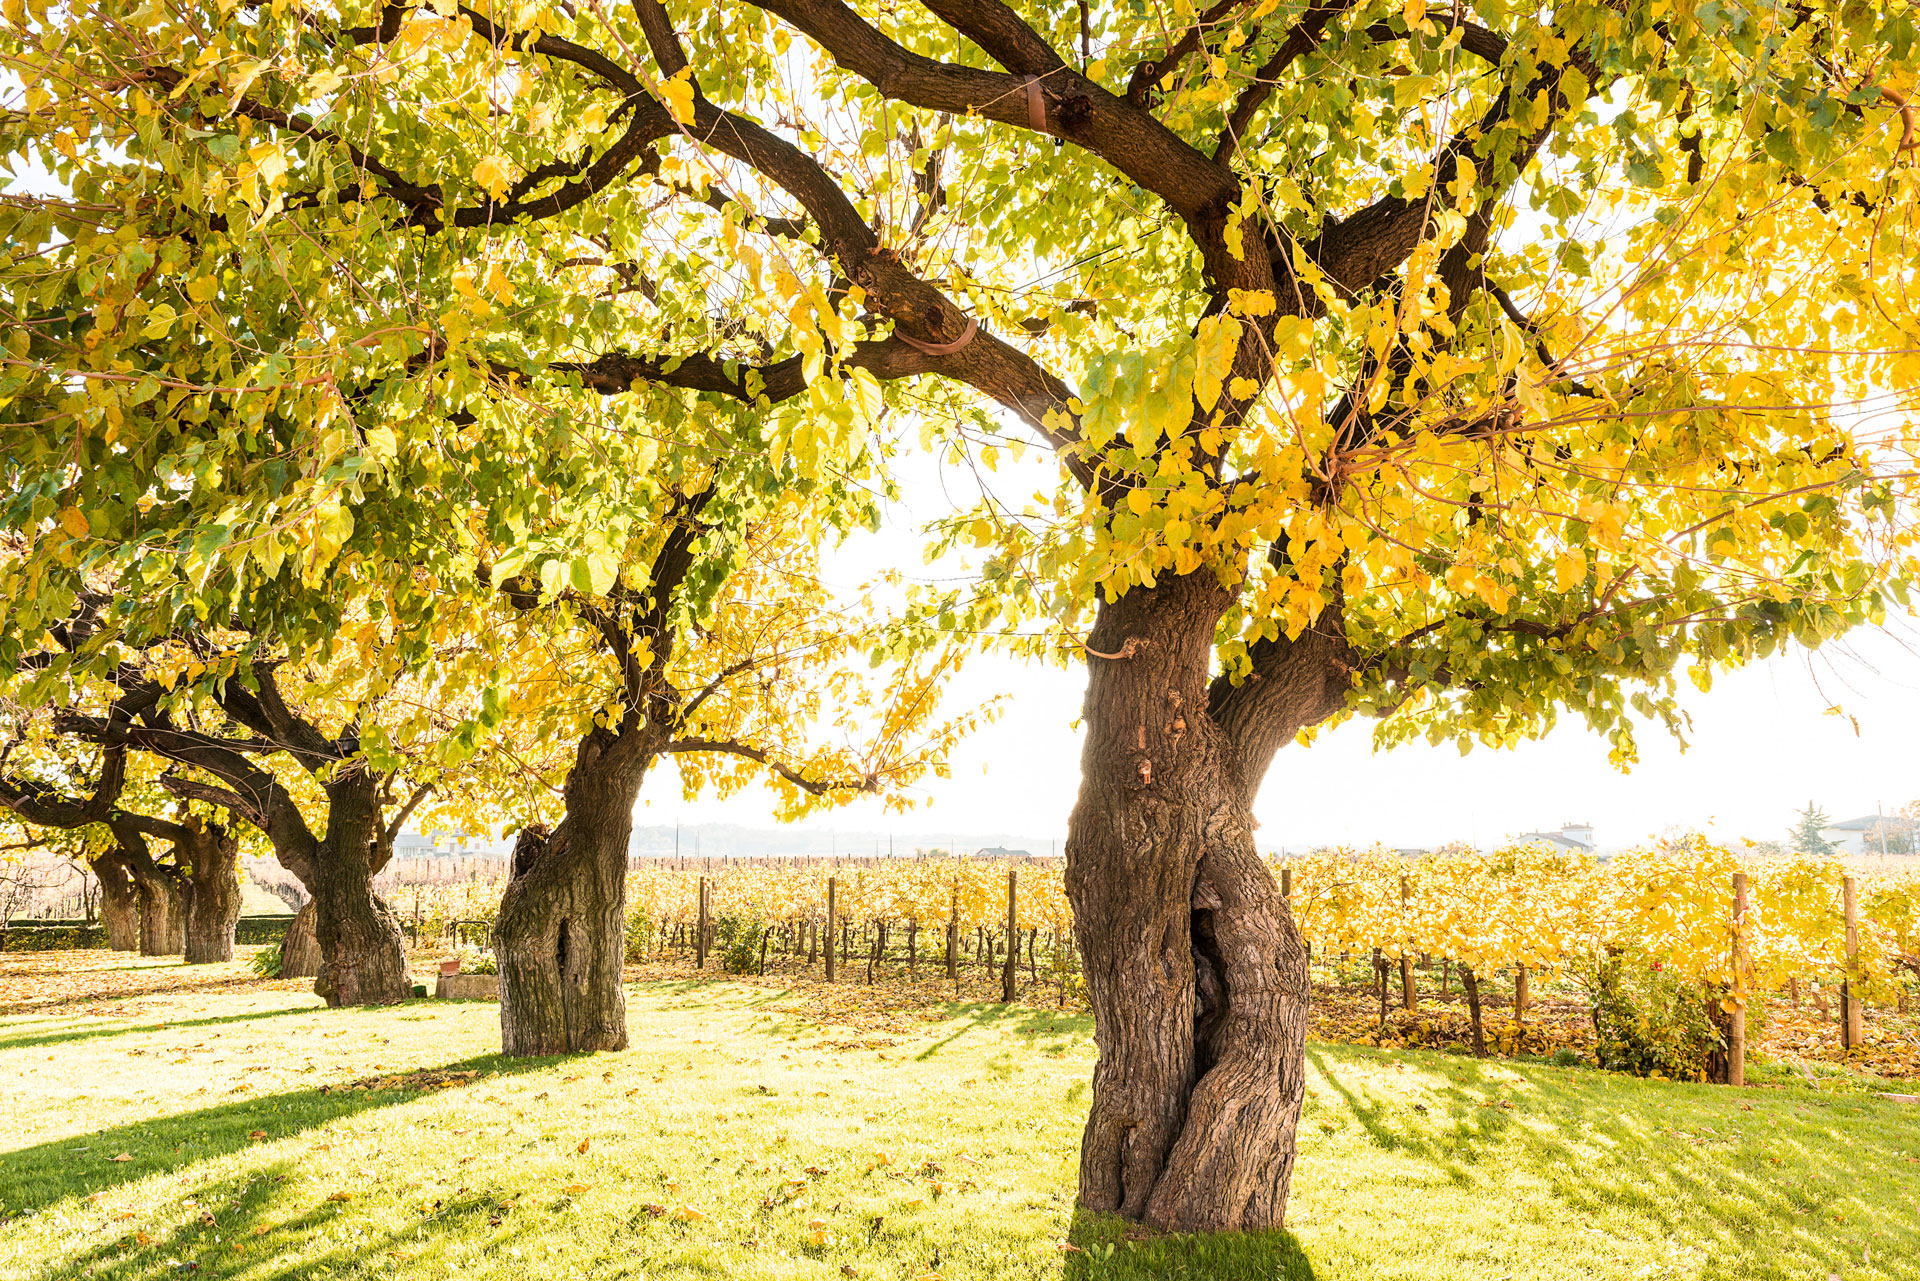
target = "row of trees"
x: 450, y: 403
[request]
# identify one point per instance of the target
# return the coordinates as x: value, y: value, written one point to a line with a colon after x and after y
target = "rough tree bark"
x: 300, y: 949
x: 1197, y: 977
x: 162, y: 892
x: 212, y: 860
x: 560, y: 938
x: 119, y: 901
x: 362, y: 950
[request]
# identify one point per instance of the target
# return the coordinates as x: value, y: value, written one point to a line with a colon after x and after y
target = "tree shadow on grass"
x: 35, y: 1177
x: 64, y: 1035
x: 1105, y: 1247
x: 1390, y: 1128
x: 238, y: 1232
x: 1745, y: 1178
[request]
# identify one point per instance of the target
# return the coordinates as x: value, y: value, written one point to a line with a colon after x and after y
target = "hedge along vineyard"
x: 1532, y: 910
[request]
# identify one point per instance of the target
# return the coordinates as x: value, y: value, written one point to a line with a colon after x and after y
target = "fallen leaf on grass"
x: 687, y: 1214
x: 578, y: 1189
x: 341, y: 1196
x: 142, y: 1238
x: 584, y: 1145
x: 257, y: 1134
x: 122, y: 1157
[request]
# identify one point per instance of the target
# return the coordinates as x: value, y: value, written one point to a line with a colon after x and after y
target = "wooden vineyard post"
x: 700, y: 930
x: 1520, y: 994
x: 1852, y: 1029
x: 1407, y: 999
x: 1013, y: 935
x: 833, y: 884
x: 1737, y: 1021
x: 953, y: 938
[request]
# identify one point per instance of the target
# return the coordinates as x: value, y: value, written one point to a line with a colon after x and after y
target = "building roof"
x: 1564, y: 837
x: 1867, y: 823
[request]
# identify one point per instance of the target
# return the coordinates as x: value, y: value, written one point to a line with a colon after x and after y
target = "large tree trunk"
x: 560, y: 939
x: 1196, y: 975
x: 119, y: 901
x: 300, y: 949
x: 363, y: 953
x: 213, y: 909
x: 163, y: 909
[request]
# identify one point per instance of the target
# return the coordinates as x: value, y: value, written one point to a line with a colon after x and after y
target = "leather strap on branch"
x: 1036, y: 105
x: 940, y: 348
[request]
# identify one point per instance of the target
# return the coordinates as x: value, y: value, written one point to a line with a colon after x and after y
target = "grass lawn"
x: 239, y: 1130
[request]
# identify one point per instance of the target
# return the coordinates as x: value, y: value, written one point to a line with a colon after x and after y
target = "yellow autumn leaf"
x: 686, y: 1214
x: 341, y: 1196
x: 677, y: 93
x: 578, y: 1189
x: 74, y: 521
x: 1250, y: 302
x: 497, y: 283
x: 491, y: 174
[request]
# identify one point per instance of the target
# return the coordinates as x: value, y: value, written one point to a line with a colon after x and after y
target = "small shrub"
x: 266, y: 963
x: 1649, y: 1023
x: 742, y: 949
x: 640, y: 931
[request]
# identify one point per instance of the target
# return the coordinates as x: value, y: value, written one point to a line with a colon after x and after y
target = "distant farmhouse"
x: 1862, y: 835
x: 1576, y: 837
x: 999, y: 852
x: 447, y: 845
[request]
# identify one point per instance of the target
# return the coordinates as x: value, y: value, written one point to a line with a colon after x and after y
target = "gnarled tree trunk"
x: 212, y: 859
x: 362, y: 950
x: 560, y: 938
x: 1196, y: 974
x: 300, y: 949
x: 163, y: 908
x: 119, y: 901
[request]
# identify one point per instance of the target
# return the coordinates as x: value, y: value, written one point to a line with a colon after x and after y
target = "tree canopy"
x: 1460, y: 365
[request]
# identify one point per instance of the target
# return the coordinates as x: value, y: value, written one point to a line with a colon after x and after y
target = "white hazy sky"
x: 1762, y: 746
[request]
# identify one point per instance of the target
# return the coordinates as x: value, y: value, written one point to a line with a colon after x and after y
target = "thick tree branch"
x: 1295, y: 683
x: 46, y: 806
x: 986, y: 363
x: 731, y: 747
x: 616, y: 372
x: 293, y: 841
x: 405, y: 812
x: 1075, y: 108
x: 232, y: 802
x: 1376, y: 240
x: 1303, y: 38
